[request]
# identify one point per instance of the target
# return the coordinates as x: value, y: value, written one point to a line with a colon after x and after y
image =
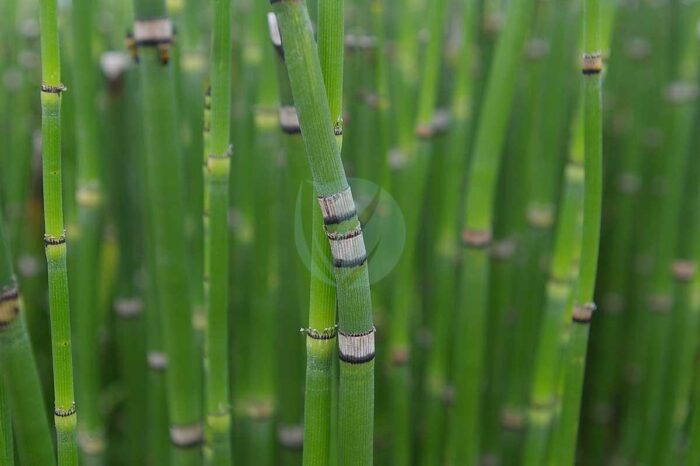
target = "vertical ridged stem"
x: 321, y: 340
x: 164, y: 181
x: 21, y: 389
x: 470, y: 324
x: 128, y: 305
x: 356, y: 330
x: 85, y: 255
x: 583, y: 305
x: 217, y: 272
x: 65, y: 416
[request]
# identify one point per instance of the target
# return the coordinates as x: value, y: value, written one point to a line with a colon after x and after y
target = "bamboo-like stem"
x: 153, y: 39
x: 583, y: 306
x: 331, y: 48
x: 444, y: 265
x: 128, y: 302
x: 356, y: 330
x: 560, y: 286
x: 292, y: 297
x: 470, y: 326
x: 320, y: 348
x: 409, y: 182
x: 321, y: 337
x: 217, y: 272
x: 65, y: 416
x: 21, y: 389
x: 86, y: 252
x: 7, y: 451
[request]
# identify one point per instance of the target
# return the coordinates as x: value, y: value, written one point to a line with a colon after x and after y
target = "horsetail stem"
x: 356, y: 330
x: 217, y: 272
x: 65, y: 416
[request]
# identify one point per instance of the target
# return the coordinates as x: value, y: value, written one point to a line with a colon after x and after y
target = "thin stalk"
x: 86, y: 255
x: 7, y: 451
x: 409, y: 182
x: 583, y: 306
x: 444, y: 265
x: 292, y: 303
x: 128, y: 302
x: 218, y: 169
x: 331, y: 48
x: 320, y: 349
x: 21, y: 389
x: 164, y: 180
x: 356, y: 330
x: 470, y: 325
x: 561, y: 282
x: 65, y: 416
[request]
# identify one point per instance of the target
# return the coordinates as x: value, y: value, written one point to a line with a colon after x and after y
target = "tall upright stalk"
x: 21, y: 388
x: 218, y: 167
x: 164, y: 179
x: 7, y: 452
x: 65, y: 416
x: 583, y: 306
x: 343, y: 229
x: 86, y: 254
x: 320, y: 349
x: 470, y: 326
x: 321, y: 335
x: 444, y: 262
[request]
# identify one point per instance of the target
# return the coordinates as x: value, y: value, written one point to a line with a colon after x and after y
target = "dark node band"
x: 9, y: 294
x: 50, y: 240
x: 350, y: 263
x: 338, y: 207
x: 592, y: 63
x: 356, y: 348
x: 65, y: 412
x: 325, y: 334
x: 57, y: 89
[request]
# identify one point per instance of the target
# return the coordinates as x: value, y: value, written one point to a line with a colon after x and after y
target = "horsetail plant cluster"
x: 454, y: 232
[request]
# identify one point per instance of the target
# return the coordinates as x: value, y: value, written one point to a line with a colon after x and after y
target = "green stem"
x: 21, y: 389
x: 164, y: 180
x: 356, y: 330
x: 217, y: 272
x: 65, y: 416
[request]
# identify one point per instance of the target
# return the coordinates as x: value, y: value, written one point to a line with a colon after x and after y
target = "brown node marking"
x: 478, y: 239
x: 131, y: 46
x: 60, y: 412
x: 9, y: 306
x: 592, y: 63
x: 684, y: 270
x: 325, y: 334
x: 51, y: 89
x: 582, y: 314
x: 50, y: 240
